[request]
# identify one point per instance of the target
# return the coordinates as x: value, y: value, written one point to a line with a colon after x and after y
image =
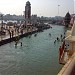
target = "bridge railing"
x: 68, y: 67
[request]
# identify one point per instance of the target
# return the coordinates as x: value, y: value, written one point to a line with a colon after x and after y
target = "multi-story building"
x: 28, y: 13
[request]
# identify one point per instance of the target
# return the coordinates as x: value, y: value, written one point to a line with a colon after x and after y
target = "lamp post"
x: 74, y: 7
x: 2, y: 21
x: 1, y: 15
x: 58, y: 9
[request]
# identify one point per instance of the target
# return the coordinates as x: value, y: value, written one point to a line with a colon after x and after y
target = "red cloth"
x: 61, y: 49
x: 63, y: 45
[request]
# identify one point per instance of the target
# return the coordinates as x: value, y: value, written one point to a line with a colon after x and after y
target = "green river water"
x: 37, y: 56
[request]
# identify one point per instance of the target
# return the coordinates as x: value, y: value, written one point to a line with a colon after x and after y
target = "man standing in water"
x: 15, y: 44
x: 21, y: 44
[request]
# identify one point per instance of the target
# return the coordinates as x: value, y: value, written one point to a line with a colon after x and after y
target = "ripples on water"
x: 37, y: 56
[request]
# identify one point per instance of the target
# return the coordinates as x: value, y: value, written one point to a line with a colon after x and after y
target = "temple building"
x: 67, y: 19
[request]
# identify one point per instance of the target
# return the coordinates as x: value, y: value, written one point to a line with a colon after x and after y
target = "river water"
x: 37, y: 56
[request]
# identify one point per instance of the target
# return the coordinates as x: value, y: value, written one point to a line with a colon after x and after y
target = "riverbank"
x: 8, y: 39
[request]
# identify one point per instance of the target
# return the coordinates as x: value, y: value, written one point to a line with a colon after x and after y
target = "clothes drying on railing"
x: 61, y: 51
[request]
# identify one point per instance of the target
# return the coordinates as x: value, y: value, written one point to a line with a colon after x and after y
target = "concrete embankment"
x: 8, y: 40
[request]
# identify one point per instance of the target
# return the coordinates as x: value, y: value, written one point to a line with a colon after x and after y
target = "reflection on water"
x: 37, y: 56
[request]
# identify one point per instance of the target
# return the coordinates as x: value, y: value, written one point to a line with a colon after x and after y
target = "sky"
x: 47, y: 8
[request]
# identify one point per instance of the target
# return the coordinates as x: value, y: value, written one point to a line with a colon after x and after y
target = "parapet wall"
x: 68, y: 67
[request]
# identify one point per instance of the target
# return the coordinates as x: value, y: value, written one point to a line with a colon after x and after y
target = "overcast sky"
x: 40, y: 7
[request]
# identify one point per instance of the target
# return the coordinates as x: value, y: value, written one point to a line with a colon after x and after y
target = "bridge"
x: 68, y: 53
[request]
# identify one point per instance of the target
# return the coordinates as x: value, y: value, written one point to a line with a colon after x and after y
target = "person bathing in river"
x: 61, y: 36
x: 15, y: 44
x: 58, y: 39
x: 21, y: 44
x: 54, y: 41
x: 50, y: 34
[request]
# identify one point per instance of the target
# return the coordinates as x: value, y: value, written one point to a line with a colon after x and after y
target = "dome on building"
x: 27, y: 3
